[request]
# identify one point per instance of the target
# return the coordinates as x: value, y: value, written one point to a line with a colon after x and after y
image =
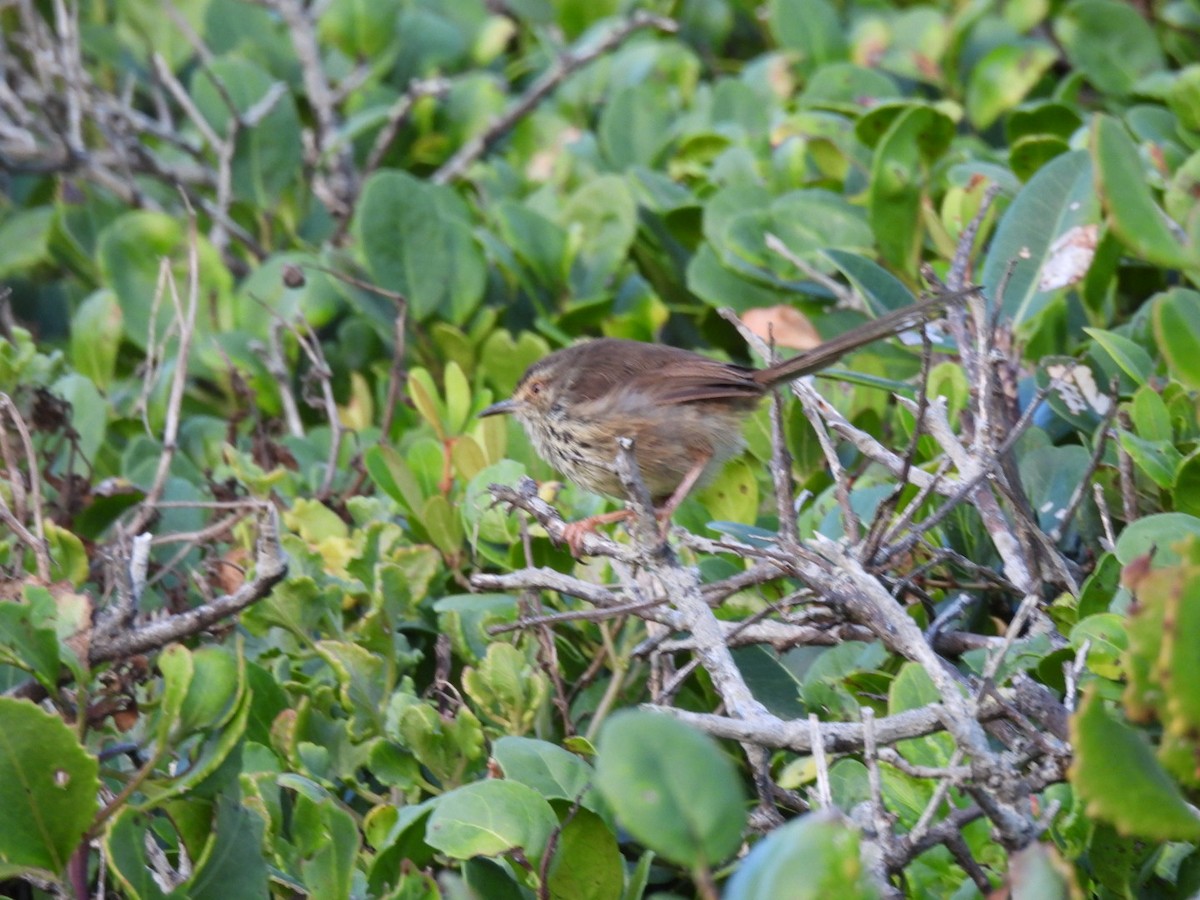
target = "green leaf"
x: 1060, y: 197
x: 464, y: 617
x: 428, y: 400
x: 28, y: 640
x: 232, y: 863
x: 899, y: 172
x: 1158, y: 459
x: 587, y: 863
x: 326, y: 837
x: 1028, y: 154
x: 1039, y: 870
x: 648, y: 769
x: 365, y: 681
x: 69, y: 560
x: 1176, y: 317
x: 1000, y: 80
x: 636, y: 125
x: 417, y: 239
x: 912, y: 688
x: 392, y: 475
x: 214, y: 692
x: 710, y: 280
x: 125, y: 846
x: 1117, y: 776
x: 1110, y: 42
x: 602, y: 217
x: 446, y: 745
x: 1135, y: 217
x: 24, y: 239
x: 772, y: 681
x: 882, y: 290
x: 361, y: 29
x: 1186, y: 490
x: 48, y: 790
x: 537, y: 241
x: 813, y: 857
x: 1133, y: 360
x: 89, y: 415
x: 507, y: 688
x: 130, y: 250
x: 489, y: 818
x: 212, y: 762
x: 142, y: 29
x: 1179, y: 664
x: 733, y: 495
x: 268, y: 154
x: 1160, y: 532
x: 809, y: 27
x: 1050, y: 475
x: 553, y: 772
x: 458, y: 398
x: 443, y: 524
x: 177, y: 668
x: 1151, y: 419
x: 96, y: 331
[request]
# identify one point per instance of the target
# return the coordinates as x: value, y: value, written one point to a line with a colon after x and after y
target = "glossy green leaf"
x: 125, y: 846
x: 898, y: 182
x: 1160, y: 532
x: 882, y: 290
x: 1028, y: 154
x: 1117, y: 776
x: 733, y: 495
x: 417, y: 240
x: 1176, y: 317
x: 232, y: 863
x: 1133, y: 360
x: 268, y: 154
x: 1133, y: 214
x: 812, y: 857
x: 392, y: 475
x: 1186, y: 490
x: 648, y: 769
x: 1060, y: 197
x: 636, y: 125
x: 603, y: 216
x: 507, y: 688
x: 810, y: 28
x: 489, y: 818
x: 214, y: 692
x: 129, y: 252
x: 1158, y: 459
x: 48, y: 789
x: 326, y: 837
x: 587, y: 863
x: 1110, y: 42
x: 1000, y: 80
x: 96, y: 331
x: 24, y: 239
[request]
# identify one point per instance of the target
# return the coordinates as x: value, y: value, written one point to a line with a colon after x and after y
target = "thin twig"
x: 474, y: 149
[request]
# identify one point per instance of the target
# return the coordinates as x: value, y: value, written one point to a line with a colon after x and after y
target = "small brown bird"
x: 683, y: 411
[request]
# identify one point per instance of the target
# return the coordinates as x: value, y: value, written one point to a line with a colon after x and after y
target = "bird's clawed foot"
x: 573, y: 533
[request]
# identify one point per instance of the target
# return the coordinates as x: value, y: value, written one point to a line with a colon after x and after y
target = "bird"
x: 683, y: 411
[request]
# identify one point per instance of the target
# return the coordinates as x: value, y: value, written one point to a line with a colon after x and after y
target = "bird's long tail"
x: 831, y: 351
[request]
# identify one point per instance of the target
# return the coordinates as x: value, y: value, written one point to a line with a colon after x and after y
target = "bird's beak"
x: 501, y: 408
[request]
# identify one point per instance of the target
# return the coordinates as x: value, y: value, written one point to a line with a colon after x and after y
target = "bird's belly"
x: 667, y: 446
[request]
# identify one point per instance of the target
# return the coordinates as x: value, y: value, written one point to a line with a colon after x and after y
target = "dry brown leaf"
x: 792, y: 329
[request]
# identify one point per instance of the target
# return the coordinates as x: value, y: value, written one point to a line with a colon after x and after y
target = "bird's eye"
x: 535, y: 388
